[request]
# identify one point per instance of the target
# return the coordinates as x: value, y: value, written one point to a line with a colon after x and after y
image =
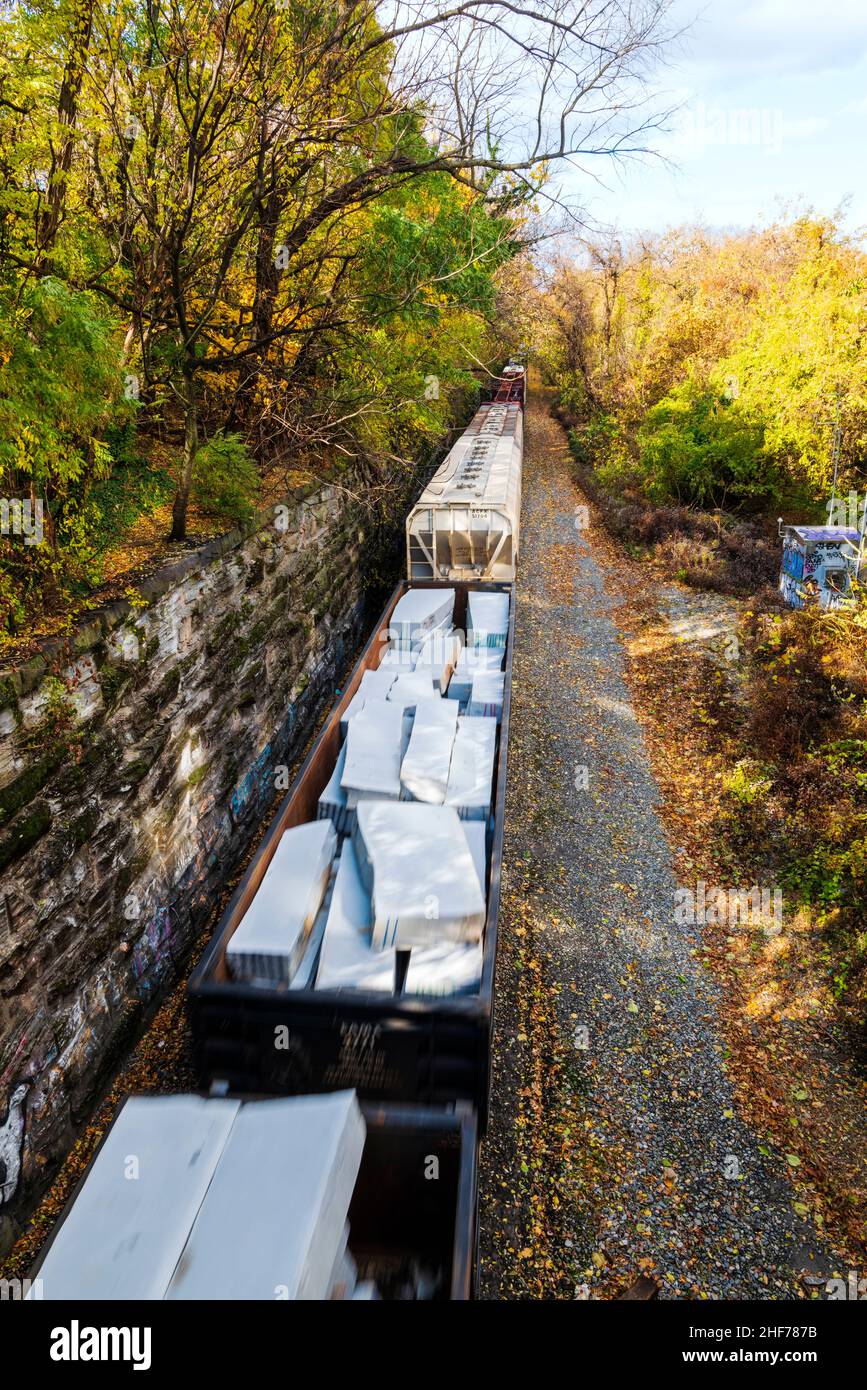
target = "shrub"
x: 793, y: 701
x: 225, y: 479
x: 692, y: 562
x: 592, y: 440
x: 695, y: 446
x: 747, y: 782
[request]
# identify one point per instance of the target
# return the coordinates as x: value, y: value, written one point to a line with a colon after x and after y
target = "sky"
x: 772, y: 98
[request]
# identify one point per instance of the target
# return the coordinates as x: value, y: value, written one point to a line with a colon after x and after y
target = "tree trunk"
x: 78, y: 44
x: 191, y: 448
x: 267, y: 286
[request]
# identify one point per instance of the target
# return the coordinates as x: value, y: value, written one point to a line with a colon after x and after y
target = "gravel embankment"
x: 614, y: 1147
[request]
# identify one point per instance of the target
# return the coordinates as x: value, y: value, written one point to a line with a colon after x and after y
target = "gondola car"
x: 225, y: 1198
x: 377, y: 1202
x: 269, y: 1035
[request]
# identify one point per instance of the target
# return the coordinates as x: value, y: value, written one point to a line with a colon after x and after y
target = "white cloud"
x: 755, y: 38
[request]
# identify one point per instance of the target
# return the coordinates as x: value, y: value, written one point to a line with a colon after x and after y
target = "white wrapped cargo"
x: 447, y: 968
x: 375, y: 743
x: 374, y: 685
x: 417, y: 612
x: 486, y: 696
x: 438, y: 656
x: 332, y: 801
x: 355, y: 706
x: 416, y: 863
x: 471, y: 771
x: 305, y: 975
x: 271, y: 937
x: 347, y: 960
x: 126, y: 1230
x: 471, y: 660
x: 487, y: 618
x: 412, y: 689
x: 272, y: 1222
x: 424, y: 772
x: 400, y: 660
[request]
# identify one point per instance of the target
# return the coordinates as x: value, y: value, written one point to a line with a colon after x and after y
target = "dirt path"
x: 615, y: 1147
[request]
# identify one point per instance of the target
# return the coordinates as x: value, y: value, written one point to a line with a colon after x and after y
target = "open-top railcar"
x: 388, y: 1046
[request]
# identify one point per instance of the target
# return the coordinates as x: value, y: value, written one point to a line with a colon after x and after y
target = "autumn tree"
x: 262, y: 133
x: 277, y: 223
x: 720, y: 364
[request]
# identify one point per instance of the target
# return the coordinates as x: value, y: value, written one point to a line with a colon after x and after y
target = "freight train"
x: 342, y: 1013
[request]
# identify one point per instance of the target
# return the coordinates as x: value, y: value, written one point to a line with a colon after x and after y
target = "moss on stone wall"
x: 25, y: 831
x: 18, y: 793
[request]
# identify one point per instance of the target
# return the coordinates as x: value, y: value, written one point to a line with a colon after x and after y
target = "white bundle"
x: 412, y: 689
x: 416, y: 863
x: 332, y: 800
x: 471, y: 772
x: 424, y: 773
x: 270, y: 939
x: 488, y: 619
x: 122, y: 1239
x: 374, y: 752
x: 347, y: 959
x: 418, y: 611
x: 374, y: 685
x: 437, y: 657
x: 400, y: 660
x: 305, y: 975
x: 486, y: 696
x: 450, y: 968
x: 447, y: 968
x: 477, y: 838
x: 273, y: 1221
x: 471, y: 660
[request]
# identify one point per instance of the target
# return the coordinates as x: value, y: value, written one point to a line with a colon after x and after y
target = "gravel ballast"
x: 614, y: 1148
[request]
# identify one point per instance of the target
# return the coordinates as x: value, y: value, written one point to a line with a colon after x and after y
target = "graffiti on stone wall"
x: 153, y: 948
x: 11, y: 1142
x: 250, y: 783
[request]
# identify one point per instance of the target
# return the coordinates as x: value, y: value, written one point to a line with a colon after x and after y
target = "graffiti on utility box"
x: 818, y: 566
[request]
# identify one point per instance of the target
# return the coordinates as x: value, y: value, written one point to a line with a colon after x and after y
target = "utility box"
x: 818, y: 565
